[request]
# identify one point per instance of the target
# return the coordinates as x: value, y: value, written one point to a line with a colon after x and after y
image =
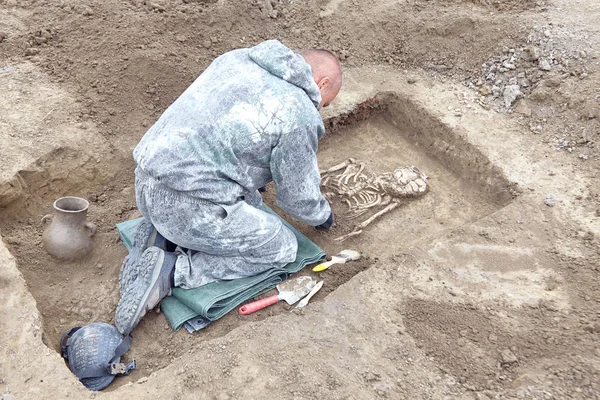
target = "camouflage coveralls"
x: 249, y: 119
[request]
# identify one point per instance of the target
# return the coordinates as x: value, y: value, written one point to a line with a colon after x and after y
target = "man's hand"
x: 326, y: 225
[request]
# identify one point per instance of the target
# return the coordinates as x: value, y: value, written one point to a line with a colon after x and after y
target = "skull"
x: 406, y: 182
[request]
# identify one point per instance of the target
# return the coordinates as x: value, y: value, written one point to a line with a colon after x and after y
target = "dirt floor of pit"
x: 505, y: 307
x: 66, y: 291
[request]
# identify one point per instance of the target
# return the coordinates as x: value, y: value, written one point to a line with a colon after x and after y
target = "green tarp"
x: 212, y: 301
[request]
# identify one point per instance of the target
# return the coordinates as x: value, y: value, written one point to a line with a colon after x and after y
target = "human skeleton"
x: 362, y: 191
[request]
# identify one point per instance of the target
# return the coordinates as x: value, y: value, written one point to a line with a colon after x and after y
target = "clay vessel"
x: 69, y: 235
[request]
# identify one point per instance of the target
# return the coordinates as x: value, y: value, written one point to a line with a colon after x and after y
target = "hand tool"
x: 290, y: 291
x: 314, y: 291
x: 341, y: 258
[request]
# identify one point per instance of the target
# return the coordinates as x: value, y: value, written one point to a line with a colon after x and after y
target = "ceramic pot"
x: 68, y: 236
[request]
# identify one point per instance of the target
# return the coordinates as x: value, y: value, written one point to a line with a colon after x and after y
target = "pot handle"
x: 91, y: 227
x: 46, y: 217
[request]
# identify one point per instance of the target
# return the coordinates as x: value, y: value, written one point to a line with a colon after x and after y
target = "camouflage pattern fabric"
x: 249, y: 119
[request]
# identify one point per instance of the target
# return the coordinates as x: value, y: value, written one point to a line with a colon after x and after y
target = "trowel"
x: 290, y: 291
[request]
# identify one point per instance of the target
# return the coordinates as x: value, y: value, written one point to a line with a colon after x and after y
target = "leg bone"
x: 359, y: 228
x: 338, y: 166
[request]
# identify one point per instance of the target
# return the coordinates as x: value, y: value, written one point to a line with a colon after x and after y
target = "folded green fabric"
x: 127, y: 231
x: 216, y: 299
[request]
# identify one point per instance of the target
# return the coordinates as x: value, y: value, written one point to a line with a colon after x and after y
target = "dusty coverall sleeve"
x: 297, y: 180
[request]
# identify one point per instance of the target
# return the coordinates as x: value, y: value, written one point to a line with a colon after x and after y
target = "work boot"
x: 155, y: 276
x: 146, y: 236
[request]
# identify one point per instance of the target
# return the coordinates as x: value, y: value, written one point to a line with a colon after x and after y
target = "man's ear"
x: 324, y: 82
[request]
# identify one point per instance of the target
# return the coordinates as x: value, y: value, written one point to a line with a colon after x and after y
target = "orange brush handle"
x: 258, y: 305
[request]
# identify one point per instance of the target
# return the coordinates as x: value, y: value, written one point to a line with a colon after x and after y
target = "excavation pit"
x: 389, y: 131
x: 385, y: 132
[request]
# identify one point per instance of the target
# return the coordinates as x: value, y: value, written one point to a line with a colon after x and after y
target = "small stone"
x: 550, y: 306
x: 550, y: 201
x: 583, y: 157
x: 523, y: 109
x: 544, y: 65
x: 2, y: 36
x: 507, y: 357
x: 207, y: 44
x: 509, y: 66
x: 32, y: 51
x: 534, y: 53
x: 143, y: 380
x: 493, y: 338
x: 411, y: 80
x: 273, y: 14
x: 372, y: 376
x: 158, y: 7
x: 485, y: 90
x: 511, y: 93
x: 85, y: 10
x: 13, y: 240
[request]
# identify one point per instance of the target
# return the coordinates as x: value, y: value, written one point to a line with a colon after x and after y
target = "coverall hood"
x: 282, y: 62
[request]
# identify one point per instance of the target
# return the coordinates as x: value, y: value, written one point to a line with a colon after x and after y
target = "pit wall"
x: 447, y: 144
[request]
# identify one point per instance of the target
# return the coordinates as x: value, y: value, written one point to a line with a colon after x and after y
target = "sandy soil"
x: 484, y: 288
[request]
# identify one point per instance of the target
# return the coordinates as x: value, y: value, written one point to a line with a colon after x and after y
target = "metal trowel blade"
x: 292, y: 290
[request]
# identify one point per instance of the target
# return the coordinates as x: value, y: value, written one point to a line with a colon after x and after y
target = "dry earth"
x: 487, y: 287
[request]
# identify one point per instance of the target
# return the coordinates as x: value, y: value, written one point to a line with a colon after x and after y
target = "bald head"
x: 327, y: 73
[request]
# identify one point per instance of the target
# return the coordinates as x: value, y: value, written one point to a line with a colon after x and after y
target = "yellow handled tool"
x: 341, y: 258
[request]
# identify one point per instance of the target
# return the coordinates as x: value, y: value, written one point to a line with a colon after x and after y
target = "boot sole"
x: 150, y: 297
x: 145, y: 234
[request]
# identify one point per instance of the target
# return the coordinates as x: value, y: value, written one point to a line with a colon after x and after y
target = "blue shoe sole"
x: 145, y: 236
x: 152, y: 285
